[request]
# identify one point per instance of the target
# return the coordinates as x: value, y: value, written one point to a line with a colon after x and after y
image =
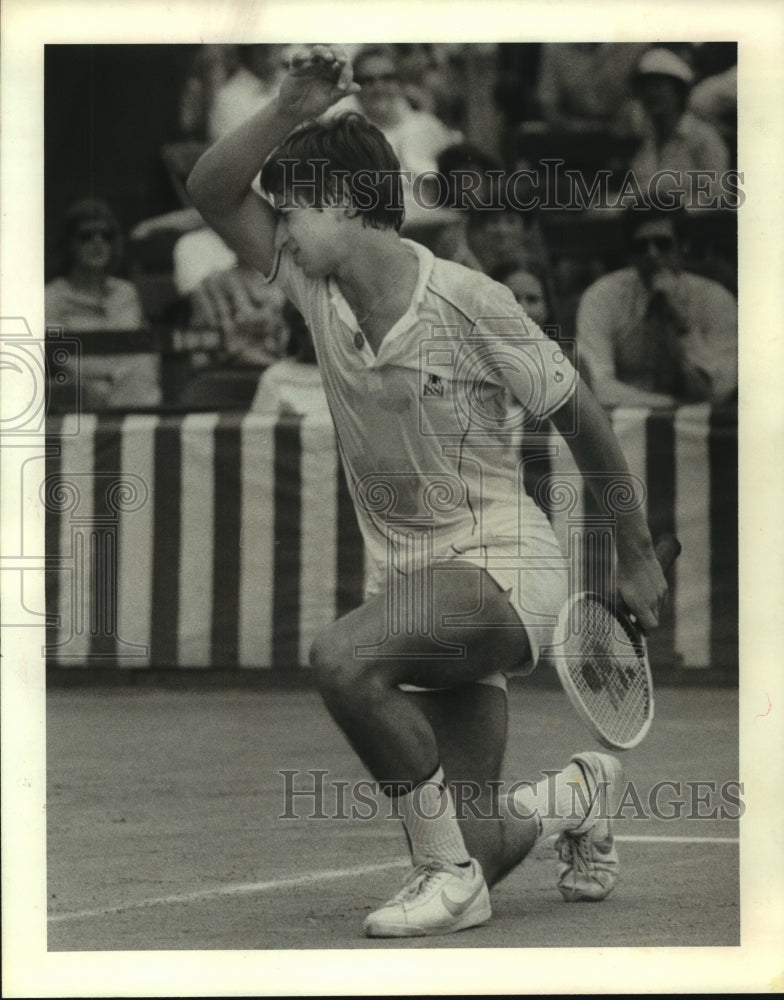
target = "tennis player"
x: 430, y: 371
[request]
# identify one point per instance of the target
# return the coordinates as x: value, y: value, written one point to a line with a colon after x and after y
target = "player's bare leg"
x: 470, y: 723
x: 500, y: 827
x: 364, y: 656
x: 360, y: 664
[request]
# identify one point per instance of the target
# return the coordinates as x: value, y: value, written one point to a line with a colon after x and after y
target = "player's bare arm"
x: 220, y: 183
x: 589, y: 435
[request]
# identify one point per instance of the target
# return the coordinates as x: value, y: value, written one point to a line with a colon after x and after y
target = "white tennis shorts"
x: 534, y: 576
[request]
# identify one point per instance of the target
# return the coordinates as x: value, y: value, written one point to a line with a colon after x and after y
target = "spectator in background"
x: 211, y: 67
x: 484, y: 231
x: 228, y: 83
x: 586, y: 87
x: 293, y: 386
x: 499, y: 236
x: 715, y: 100
x: 417, y: 137
x: 252, y: 84
x: 652, y: 334
x: 86, y: 297
x: 470, y: 176
x: 530, y: 286
x: 673, y: 137
x: 248, y: 312
x: 487, y: 234
x: 430, y: 82
x: 196, y: 255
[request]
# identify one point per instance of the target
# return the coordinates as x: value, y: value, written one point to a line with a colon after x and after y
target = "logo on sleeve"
x: 434, y: 386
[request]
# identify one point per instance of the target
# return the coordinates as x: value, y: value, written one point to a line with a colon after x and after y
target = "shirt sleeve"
x: 511, y: 350
x: 594, y: 334
x: 304, y: 292
x: 712, y: 152
x: 197, y: 255
x: 711, y: 344
x: 597, y: 316
x: 124, y: 307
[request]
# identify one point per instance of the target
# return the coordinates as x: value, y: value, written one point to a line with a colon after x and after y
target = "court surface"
x: 165, y: 830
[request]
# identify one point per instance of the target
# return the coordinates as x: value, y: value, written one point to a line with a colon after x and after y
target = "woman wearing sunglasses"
x: 88, y: 297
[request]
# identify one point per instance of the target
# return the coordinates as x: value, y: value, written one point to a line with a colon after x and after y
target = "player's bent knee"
x: 339, y: 672
x: 332, y: 663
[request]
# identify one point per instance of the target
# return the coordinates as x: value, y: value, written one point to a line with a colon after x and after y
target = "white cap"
x: 664, y: 62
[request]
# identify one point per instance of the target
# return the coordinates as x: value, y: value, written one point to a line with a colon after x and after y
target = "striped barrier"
x: 229, y: 540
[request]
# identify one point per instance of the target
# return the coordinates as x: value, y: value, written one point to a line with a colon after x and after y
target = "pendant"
x: 359, y: 340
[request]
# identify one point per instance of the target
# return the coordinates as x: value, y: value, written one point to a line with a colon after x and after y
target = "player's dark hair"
x: 344, y: 161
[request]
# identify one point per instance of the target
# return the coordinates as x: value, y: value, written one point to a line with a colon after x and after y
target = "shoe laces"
x: 424, y: 878
x: 576, y: 850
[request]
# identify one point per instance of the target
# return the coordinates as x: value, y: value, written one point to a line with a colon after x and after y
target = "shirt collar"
x: 426, y: 260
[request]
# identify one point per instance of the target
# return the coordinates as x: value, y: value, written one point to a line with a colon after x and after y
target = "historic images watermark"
x: 551, y: 186
x: 313, y: 795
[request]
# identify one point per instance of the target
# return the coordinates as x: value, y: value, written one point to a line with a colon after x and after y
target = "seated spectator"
x: 674, y: 138
x: 484, y: 231
x: 652, y: 334
x: 252, y: 84
x: 417, y: 137
x: 292, y: 386
x: 211, y: 67
x: 430, y: 80
x: 466, y: 169
x: 88, y: 297
x: 470, y: 177
x: 248, y: 312
x: 228, y: 83
x: 715, y: 100
x: 586, y: 87
x: 196, y: 255
x: 530, y: 287
x: 494, y: 237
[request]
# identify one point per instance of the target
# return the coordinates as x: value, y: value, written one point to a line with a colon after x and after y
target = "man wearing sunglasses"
x: 652, y: 333
x: 417, y: 137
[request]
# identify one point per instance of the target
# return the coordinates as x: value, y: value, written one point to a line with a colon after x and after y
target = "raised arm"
x: 220, y: 183
x: 589, y: 435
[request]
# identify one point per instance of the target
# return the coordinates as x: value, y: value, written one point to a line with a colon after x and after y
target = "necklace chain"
x: 374, y: 307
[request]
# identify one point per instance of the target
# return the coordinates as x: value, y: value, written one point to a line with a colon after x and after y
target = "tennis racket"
x: 601, y: 658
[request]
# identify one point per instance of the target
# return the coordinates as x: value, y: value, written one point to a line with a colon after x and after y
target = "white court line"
x: 329, y: 875
x: 238, y: 889
x: 652, y: 839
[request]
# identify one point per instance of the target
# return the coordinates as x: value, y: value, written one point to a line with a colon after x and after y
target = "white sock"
x: 429, y: 818
x: 557, y: 802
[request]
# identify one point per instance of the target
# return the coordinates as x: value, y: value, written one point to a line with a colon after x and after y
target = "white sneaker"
x: 437, y: 898
x: 588, y: 869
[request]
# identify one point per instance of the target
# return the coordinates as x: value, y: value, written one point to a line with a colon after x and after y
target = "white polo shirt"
x: 430, y: 428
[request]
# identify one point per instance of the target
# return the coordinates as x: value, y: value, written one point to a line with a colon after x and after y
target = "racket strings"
x: 606, y: 667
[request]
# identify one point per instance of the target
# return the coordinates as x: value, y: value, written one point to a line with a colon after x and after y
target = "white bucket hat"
x: 664, y: 62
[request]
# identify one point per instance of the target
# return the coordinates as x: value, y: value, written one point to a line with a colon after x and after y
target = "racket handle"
x: 668, y: 548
